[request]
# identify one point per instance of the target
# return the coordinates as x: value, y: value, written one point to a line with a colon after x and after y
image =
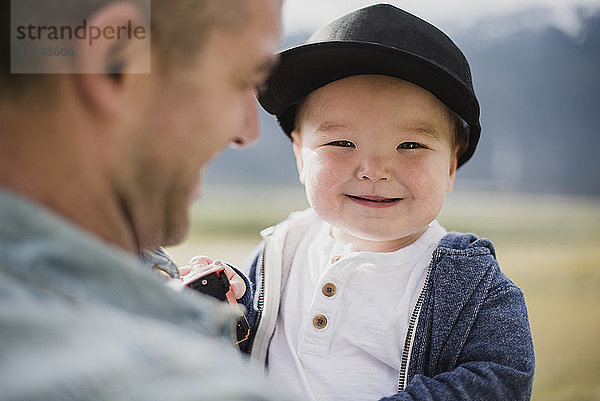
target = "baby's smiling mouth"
x: 375, y: 201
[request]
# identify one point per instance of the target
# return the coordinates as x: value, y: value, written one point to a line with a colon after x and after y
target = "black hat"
x: 380, y: 39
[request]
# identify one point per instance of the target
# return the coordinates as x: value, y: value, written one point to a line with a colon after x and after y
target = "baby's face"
x: 375, y: 157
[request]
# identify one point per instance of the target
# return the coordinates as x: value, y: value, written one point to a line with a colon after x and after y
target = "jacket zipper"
x: 414, y: 318
x: 261, y: 301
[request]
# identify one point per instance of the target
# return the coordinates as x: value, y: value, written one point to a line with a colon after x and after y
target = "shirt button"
x: 329, y: 289
x: 335, y: 259
x: 320, y: 321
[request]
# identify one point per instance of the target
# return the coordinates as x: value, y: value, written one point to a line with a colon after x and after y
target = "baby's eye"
x: 343, y: 144
x: 410, y: 145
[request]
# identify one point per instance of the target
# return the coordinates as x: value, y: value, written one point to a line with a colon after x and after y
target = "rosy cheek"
x: 319, y: 180
x: 329, y: 171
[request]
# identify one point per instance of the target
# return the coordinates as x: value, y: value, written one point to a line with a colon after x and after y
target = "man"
x: 94, y: 168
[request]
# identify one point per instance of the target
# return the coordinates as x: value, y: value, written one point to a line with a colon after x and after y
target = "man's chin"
x: 197, y: 194
x: 197, y: 190
x: 177, y: 232
x: 174, y: 240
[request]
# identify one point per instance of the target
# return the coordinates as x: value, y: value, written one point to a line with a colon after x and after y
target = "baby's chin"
x: 376, y: 241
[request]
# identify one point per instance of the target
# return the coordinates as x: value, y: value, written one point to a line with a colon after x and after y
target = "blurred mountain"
x: 539, y: 89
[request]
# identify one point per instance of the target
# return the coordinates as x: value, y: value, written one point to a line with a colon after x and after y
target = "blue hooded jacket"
x: 469, y: 336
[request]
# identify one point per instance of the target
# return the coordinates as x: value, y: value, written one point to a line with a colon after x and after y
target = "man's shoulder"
x: 59, y: 347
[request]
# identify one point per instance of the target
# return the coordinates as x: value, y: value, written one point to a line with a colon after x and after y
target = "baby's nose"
x: 373, y: 169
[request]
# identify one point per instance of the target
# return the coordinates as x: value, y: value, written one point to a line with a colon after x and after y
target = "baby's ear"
x: 297, y: 147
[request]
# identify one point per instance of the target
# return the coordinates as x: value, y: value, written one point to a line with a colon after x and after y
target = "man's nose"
x: 249, y: 131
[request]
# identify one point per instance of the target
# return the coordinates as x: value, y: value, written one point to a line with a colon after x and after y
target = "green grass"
x: 548, y: 245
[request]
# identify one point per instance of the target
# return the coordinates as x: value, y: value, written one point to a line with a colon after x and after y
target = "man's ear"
x: 452, y: 170
x: 111, y: 58
x: 297, y: 146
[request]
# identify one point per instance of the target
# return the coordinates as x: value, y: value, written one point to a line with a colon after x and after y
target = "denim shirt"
x: 469, y: 337
x: 82, y: 320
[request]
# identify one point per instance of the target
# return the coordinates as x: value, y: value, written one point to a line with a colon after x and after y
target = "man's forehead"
x: 258, y: 32
x: 264, y: 16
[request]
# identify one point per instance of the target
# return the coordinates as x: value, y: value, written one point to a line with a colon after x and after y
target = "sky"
x: 308, y: 15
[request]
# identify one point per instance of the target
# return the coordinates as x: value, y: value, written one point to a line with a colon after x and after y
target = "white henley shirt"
x: 344, y: 316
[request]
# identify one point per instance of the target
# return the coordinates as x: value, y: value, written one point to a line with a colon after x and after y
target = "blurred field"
x: 548, y: 245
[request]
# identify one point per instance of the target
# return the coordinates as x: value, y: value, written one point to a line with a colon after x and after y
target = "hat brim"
x: 305, y: 68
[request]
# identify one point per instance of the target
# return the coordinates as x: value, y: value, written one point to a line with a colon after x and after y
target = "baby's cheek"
x: 324, y: 179
x: 321, y: 181
x: 314, y: 191
x: 321, y: 196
